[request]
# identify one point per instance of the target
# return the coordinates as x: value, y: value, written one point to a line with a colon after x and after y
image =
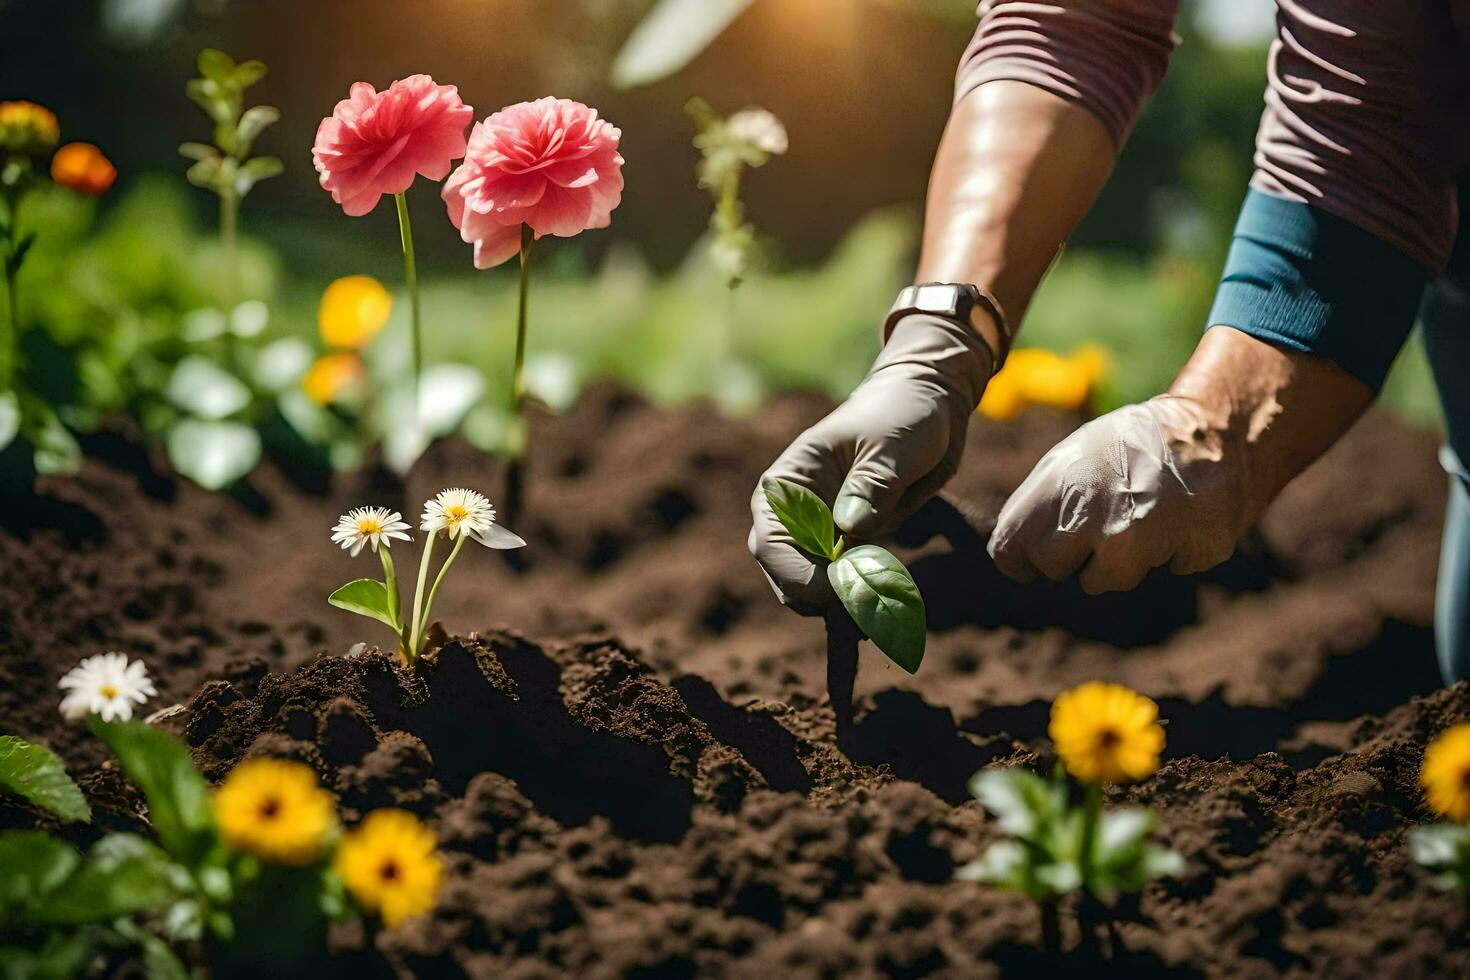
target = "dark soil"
x: 631, y: 763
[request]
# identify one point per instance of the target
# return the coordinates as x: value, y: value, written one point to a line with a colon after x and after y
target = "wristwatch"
x: 956, y: 302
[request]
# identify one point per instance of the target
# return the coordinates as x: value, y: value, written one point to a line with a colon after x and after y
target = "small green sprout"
x: 457, y: 514
x: 226, y: 166
x: 728, y: 147
x: 873, y: 586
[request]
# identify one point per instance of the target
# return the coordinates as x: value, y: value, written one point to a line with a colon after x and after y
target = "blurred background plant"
x: 128, y: 319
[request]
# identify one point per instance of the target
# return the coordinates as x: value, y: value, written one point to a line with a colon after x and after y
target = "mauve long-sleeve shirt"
x: 1367, y: 101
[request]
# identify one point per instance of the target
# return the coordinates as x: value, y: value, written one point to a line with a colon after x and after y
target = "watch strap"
x: 955, y: 302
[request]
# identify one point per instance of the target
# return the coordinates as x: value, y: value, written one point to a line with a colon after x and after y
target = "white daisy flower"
x: 459, y: 512
x: 369, y: 525
x: 106, y: 685
x: 760, y: 129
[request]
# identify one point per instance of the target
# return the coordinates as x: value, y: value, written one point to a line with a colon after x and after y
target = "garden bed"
x: 631, y: 764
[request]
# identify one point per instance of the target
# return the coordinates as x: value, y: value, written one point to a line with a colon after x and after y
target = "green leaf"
x: 253, y: 122
x: 204, y: 174
x: 247, y: 73
x: 213, y: 454
x: 254, y: 170
x: 366, y: 597
x: 203, y: 388
x: 159, y: 961
x: 806, y: 517
x: 178, y: 797
x: 61, y: 957
x: 54, y: 449
x: 35, y: 773
x: 198, y: 151
x: 32, y: 864
x: 215, y: 65
x: 881, y: 597
x: 670, y: 37
x: 121, y: 874
x: 9, y: 418
x: 1023, y: 803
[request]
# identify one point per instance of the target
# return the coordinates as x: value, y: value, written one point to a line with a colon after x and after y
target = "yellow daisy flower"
x: 27, y: 128
x: 390, y: 865
x: 352, y: 311
x: 1106, y: 733
x: 1446, y: 773
x: 276, y: 810
x: 331, y: 377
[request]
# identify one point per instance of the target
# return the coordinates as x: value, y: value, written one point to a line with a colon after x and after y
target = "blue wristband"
x: 1302, y: 278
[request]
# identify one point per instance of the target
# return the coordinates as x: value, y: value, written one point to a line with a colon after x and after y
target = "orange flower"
x: 82, y: 167
x: 331, y: 376
x: 27, y: 128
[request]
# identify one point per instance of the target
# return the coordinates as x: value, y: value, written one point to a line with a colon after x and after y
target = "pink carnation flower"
x: 551, y: 164
x: 374, y: 143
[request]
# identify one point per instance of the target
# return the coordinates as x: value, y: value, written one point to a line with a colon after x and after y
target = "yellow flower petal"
x: 390, y: 865
x: 1106, y: 733
x: 352, y: 311
x: 332, y: 375
x: 276, y: 810
x: 1446, y: 773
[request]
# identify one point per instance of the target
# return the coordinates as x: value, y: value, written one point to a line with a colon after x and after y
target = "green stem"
x: 434, y: 589
x: 390, y: 581
x: 418, y: 598
x: 518, y: 381
x: 11, y: 336
x: 1091, y: 813
x: 411, y: 278
x: 229, y: 218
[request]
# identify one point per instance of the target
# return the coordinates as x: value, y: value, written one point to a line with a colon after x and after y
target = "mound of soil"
x: 652, y: 785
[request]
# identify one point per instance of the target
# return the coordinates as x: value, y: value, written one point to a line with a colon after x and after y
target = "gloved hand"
x: 879, y: 455
x: 1147, y: 485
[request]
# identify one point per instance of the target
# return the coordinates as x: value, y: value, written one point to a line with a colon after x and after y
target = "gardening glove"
x: 1144, y: 486
x: 879, y: 455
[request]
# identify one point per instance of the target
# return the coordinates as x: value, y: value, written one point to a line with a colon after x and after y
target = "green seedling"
x: 225, y: 166
x: 1444, y: 848
x: 874, y: 587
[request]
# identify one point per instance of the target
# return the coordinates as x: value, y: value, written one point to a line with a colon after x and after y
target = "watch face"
x: 936, y: 298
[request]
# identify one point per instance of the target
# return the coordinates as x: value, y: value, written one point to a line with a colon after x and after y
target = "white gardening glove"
x: 1147, y: 485
x: 881, y: 454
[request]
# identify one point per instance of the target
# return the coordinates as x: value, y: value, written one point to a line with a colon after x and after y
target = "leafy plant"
x: 458, y: 515
x: 1444, y: 848
x: 35, y: 774
x: 225, y: 166
x: 874, y: 587
x: 1053, y: 848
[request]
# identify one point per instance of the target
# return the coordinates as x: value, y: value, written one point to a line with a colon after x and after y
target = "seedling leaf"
x: 121, y: 874
x: 881, y: 597
x: 806, y: 516
x: 34, y: 864
x: 178, y: 797
x: 34, y: 773
x: 366, y: 597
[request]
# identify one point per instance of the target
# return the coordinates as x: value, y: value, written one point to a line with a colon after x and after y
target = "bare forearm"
x: 1279, y: 408
x: 1016, y: 170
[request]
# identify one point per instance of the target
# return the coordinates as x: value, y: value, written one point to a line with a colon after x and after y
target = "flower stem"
x: 10, y: 337
x: 1091, y: 813
x: 434, y: 589
x: 515, y: 469
x: 229, y: 219
x: 411, y: 278
x: 390, y: 581
x: 418, y: 598
x: 518, y: 381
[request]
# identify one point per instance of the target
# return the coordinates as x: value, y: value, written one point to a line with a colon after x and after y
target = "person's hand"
x: 1147, y: 485
x: 881, y: 454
